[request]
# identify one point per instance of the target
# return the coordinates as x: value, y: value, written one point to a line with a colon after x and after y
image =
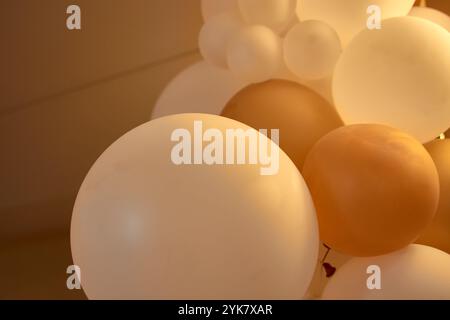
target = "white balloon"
x: 334, y: 260
x: 215, y: 36
x: 348, y: 17
x: 212, y: 8
x: 432, y: 15
x: 397, y: 76
x: 201, y: 88
x: 414, y: 273
x: 275, y: 14
x: 311, y: 50
x: 146, y: 228
x: 255, y: 54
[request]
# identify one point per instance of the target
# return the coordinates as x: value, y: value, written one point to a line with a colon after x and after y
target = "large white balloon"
x: 311, y: 50
x: 275, y: 14
x: 146, y: 228
x: 415, y: 273
x: 398, y: 76
x: 255, y: 54
x: 348, y: 17
x: 432, y: 15
x: 200, y: 88
x: 212, y: 8
x: 215, y: 36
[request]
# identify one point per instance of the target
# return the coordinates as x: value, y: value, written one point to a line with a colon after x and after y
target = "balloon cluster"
x: 361, y: 170
x: 258, y: 40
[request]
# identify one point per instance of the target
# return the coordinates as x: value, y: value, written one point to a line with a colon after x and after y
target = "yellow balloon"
x: 146, y: 227
x: 398, y: 76
x: 348, y: 17
x: 432, y: 15
x: 311, y: 50
x: 438, y: 233
x: 414, y: 273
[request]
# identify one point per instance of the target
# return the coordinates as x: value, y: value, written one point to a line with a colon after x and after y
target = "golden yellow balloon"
x: 301, y: 115
x: 438, y: 233
x: 375, y: 189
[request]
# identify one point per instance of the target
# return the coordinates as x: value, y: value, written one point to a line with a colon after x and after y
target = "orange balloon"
x: 438, y: 233
x: 375, y: 189
x: 301, y: 115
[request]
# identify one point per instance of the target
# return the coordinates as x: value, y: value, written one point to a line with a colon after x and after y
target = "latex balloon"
x: 378, y: 79
x: 215, y: 36
x: 200, y: 88
x: 212, y: 8
x: 301, y: 115
x: 255, y: 54
x: 146, y: 227
x: 438, y: 233
x: 414, y: 273
x: 375, y: 189
x: 320, y: 86
x: 432, y: 15
x: 349, y: 17
x: 275, y: 14
x: 311, y: 50
x: 329, y: 262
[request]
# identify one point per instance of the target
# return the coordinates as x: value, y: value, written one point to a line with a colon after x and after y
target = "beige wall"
x: 65, y: 97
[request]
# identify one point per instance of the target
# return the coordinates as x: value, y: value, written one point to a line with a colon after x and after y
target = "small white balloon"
x: 215, y: 36
x: 275, y: 14
x: 212, y: 8
x: 255, y: 54
x: 201, y: 88
x: 415, y: 273
x: 311, y: 50
x: 432, y: 15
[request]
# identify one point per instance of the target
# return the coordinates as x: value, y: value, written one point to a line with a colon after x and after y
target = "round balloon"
x: 200, y: 88
x: 432, y: 15
x: 398, y: 76
x: 311, y: 50
x: 275, y: 14
x: 348, y: 17
x: 375, y: 189
x: 414, y: 273
x: 212, y: 8
x: 301, y: 115
x: 255, y: 54
x: 215, y: 37
x: 159, y: 217
x: 438, y: 233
